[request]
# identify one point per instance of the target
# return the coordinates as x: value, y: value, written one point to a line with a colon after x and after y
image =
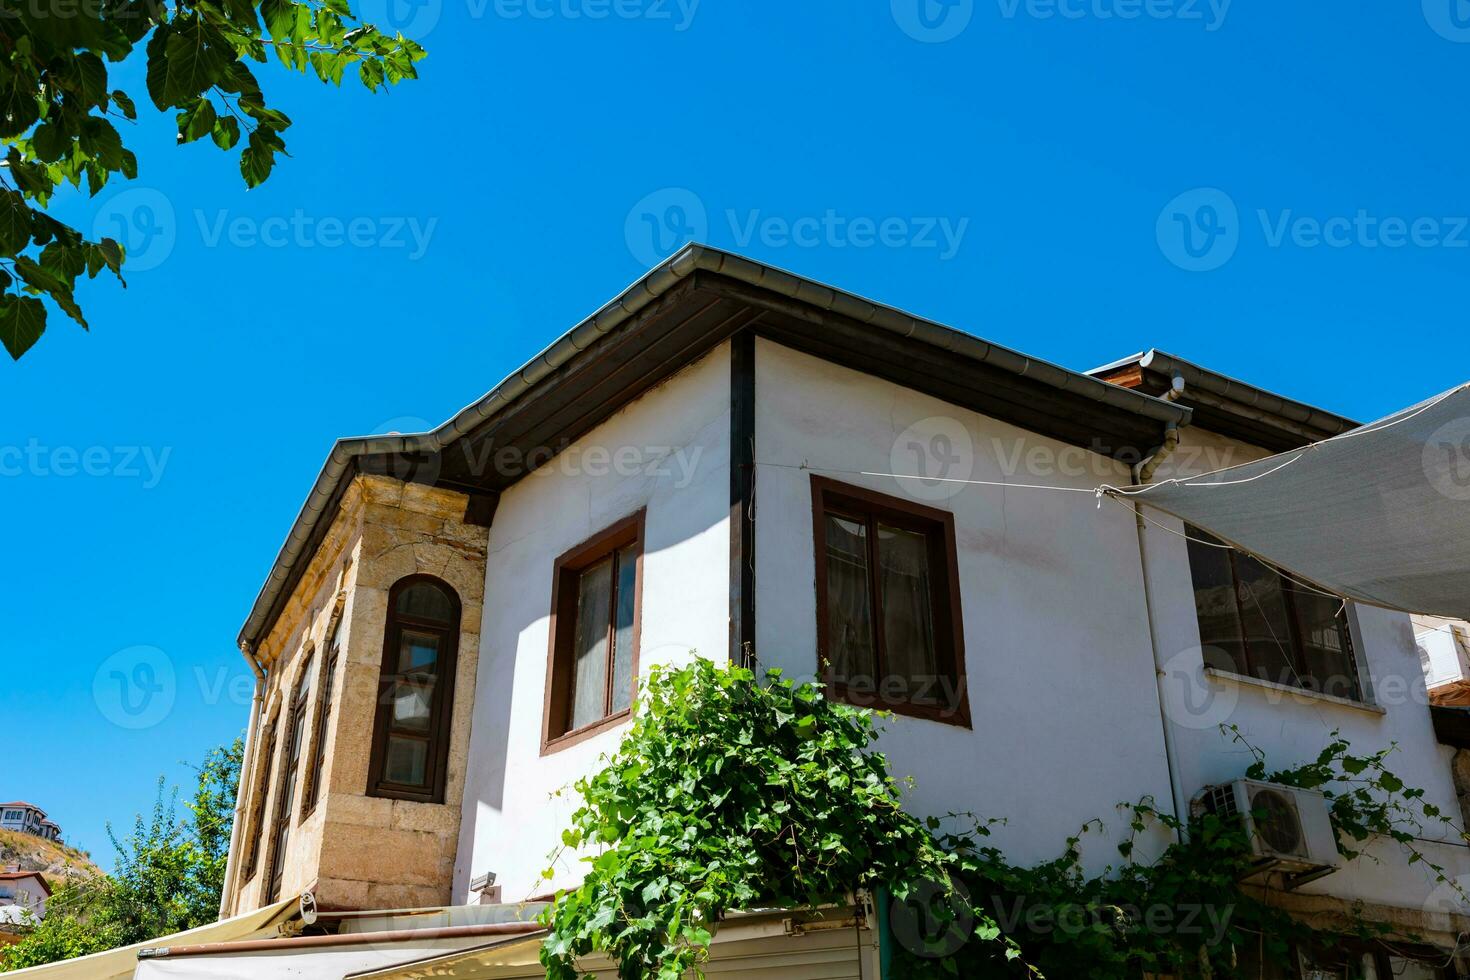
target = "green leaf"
x: 258, y: 157
x: 195, y: 120
x: 371, y: 73
x: 15, y: 223
x: 38, y: 277
x: 20, y: 106
x: 125, y: 104
x: 22, y: 321
x: 226, y: 132
x: 194, y: 59
x: 279, y: 17
x: 51, y: 142
x: 86, y: 77
x: 102, y: 143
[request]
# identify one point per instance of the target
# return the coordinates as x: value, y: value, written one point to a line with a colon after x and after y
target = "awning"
x: 831, y: 944
x: 1380, y: 514
x: 118, y: 964
x: 522, y: 953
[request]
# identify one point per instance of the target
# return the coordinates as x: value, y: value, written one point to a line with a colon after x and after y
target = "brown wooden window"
x: 290, y: 766
x: 319, y: 731
x: 262, y: 788
x: 410, y: 755
x: 595, y: 608
x: 888, y: 605
x: 1256, y: 623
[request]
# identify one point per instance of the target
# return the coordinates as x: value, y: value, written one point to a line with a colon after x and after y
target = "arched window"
x: 415, y: 691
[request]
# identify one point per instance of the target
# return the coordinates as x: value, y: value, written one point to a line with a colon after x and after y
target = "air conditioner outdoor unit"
x: 1290, y: 829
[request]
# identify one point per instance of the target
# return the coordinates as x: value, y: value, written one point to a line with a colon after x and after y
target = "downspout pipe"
x: 247, y: 769
x: 1141, y: 475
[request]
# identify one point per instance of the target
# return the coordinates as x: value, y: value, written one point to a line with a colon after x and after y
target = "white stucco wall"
x: 679, y: 430
x: 1291, y: 728
x: 1066, y: 720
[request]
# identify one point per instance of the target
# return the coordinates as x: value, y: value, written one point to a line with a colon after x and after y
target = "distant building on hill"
x: 23, y: 897
x: 28, y: 819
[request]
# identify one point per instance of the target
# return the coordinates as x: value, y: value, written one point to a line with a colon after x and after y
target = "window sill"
x: 571, y: 738
x: 1300, y: 695
x: 958, y: 716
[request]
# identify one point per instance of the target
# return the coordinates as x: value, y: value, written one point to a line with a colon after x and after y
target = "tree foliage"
x: 729, y: 794
x: 169, y: 875
x: 58, y: 110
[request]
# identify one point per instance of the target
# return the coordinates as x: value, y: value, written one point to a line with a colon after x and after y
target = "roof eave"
x: 655, y: 283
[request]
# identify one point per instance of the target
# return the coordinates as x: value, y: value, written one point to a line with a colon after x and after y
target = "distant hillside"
x: 59, y: 863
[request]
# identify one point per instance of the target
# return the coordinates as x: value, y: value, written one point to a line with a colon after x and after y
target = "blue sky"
x: 1024, y: 169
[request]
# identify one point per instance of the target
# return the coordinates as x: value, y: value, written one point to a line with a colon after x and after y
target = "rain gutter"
x: 661, y: 279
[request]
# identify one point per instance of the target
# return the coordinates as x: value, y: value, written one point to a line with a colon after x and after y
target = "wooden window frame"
x: 556, y: 708
x: 287, y: 780
x: 441, y: 723
x: 1297, y: 647
x: 326, y: 689
x: 845, y: 500
x: 262, y: 791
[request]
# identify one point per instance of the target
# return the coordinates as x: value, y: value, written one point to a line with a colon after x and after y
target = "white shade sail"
x: 1380, y: 514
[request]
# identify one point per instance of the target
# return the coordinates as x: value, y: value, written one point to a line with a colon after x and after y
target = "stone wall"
x: 353, y: 850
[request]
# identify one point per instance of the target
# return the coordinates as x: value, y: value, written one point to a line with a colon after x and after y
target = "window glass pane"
x: 589, y: 650
x: 426, y: 601
x: 406, y: 761
x: 1268, y: 633
x: 324, y: 716
x: 413, y: 703
x: 307, y: 679
x: 622, y: 667
x: 298, y: 731
x: 849, y: 604
x: 1326, y: 654
x: 418, y: 652
x: 908, y: 611
x: 1220, y: 631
